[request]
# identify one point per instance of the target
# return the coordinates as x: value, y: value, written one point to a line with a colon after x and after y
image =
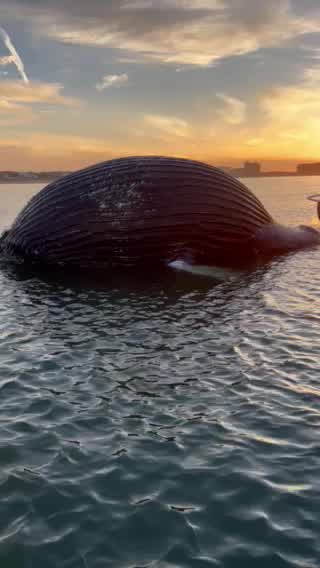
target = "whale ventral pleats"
x: 139, y: 212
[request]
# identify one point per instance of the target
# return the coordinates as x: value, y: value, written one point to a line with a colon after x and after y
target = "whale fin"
x: 202, y: 270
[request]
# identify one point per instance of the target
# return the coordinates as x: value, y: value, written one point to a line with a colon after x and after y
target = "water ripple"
x: 161, y: 425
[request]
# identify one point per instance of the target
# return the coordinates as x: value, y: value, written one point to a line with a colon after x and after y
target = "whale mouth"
x: 314, y: 197
x: 272, y: 240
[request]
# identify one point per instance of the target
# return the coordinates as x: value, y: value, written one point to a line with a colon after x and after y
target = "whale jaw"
x: 274, y: 239
x: 271, y: 240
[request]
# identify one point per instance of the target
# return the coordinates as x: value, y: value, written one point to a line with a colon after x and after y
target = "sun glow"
x: 194, y: 80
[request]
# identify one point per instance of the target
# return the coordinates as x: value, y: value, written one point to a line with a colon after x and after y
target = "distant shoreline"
x: 25, y: 181
x: 278, y: 174
x: 261, y: 175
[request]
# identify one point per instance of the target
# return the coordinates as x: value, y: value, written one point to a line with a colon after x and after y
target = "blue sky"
x: 217, y: 80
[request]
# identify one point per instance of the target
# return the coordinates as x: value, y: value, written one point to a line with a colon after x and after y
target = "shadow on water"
x: 55, y: 306
x: 159, y: 313
x: 167, y: 283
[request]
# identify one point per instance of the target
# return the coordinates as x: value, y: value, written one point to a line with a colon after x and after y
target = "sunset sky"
x: 216, y: 80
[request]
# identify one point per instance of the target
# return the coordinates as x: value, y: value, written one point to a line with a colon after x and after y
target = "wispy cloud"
x: 167, y: 125
x: 18, y: 101
x: 12, y: 113
x: 234, y: 111
x: 181, y: 32
x: 47, y: 93
x: 295, y: 106
x: 6, y: 60
x: 14, y: 57
x: 112, y: 81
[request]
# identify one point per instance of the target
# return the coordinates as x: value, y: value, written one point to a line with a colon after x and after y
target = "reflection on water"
x: 167, y: 423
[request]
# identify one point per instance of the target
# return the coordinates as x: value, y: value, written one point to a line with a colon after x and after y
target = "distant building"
x: 309, y: 169
x: 251, y: 168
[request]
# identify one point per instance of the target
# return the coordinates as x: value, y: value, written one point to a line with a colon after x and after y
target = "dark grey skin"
x: 142, y: 213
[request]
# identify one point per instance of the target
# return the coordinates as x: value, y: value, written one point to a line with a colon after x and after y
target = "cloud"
x: 293, y: 106
x: 14, y: 57
x: 289, y: 121
x: 12, y: 113
x: 6, y: 60
x: 195, y: 32
x: 17, y: 101
x: 112, y: 81
x: 167, y: 126
x: 234, y: 111
x: 47, y: 93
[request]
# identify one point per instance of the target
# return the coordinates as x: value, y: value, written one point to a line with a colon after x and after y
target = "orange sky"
x: 198, y: 79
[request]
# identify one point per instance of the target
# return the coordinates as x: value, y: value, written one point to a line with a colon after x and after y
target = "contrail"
x: 15, y: 57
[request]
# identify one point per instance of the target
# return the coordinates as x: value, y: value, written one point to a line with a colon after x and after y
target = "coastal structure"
x: 249, y: 169
x: 312, y: 169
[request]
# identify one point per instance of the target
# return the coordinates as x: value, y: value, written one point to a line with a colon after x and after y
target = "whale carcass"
x: 143, y: 213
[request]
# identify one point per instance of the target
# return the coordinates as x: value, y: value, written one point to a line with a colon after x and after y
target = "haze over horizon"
x: 216, y: 80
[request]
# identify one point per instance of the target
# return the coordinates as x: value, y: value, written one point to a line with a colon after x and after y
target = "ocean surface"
x: 171, y: 424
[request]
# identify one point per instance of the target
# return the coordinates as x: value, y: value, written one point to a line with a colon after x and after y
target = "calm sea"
x: 170, y: 425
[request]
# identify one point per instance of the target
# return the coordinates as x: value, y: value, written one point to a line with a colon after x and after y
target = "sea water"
x: 172, y: 424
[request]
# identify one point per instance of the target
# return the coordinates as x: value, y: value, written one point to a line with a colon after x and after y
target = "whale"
x: 145, y: 213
